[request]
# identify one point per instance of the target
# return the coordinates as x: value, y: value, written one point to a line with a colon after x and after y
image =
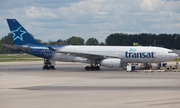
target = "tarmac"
x: 26, y: 85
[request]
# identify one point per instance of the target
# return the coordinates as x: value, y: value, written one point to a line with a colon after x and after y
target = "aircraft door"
x: 160, y: 54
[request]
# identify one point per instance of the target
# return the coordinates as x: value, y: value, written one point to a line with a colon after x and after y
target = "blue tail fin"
x: 19, y: 34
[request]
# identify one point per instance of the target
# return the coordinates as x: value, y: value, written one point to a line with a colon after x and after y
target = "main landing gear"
x: 48, y: 64
x: 92, y: 67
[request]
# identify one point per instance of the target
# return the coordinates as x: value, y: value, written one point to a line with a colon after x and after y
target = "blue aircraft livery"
x: 133, y: 54
x: 41, y: 51
x: 18, y: 34
x: 132, y: 49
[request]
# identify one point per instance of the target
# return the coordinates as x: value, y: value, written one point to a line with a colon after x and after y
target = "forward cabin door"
x: 159, y: 55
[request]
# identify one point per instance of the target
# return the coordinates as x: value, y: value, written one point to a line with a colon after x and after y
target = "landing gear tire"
x: 53, y: 68
x: 49, y: 64
x: 48, y: 67
x: 87, y: 68
x: 97, y: 68
x: 92, y: 68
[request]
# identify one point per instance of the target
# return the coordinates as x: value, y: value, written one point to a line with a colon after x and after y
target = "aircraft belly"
x: 63, y: 57
x: 141, y: 60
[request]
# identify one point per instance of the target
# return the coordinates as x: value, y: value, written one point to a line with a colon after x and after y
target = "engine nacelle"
x: 111, y: 62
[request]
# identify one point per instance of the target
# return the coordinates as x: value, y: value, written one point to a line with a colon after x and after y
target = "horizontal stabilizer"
x: 16, y: 47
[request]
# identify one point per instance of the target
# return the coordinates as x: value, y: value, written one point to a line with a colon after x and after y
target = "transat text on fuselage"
x: 133, y: 54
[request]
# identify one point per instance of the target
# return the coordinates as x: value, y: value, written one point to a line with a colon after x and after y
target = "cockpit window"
x: 170, y: 52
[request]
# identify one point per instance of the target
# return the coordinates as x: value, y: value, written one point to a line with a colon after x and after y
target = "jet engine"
x: 111, y: 62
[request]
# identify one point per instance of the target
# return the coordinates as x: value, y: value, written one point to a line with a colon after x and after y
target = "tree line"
x: 71, y: 41
x: 171, y: 41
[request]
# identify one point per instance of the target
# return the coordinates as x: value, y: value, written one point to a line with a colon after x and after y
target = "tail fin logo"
x: 18, y: 34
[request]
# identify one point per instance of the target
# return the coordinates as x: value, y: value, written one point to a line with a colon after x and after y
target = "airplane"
x: 96, y: 56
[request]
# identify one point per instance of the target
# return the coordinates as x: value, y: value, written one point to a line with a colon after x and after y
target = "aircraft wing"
x: 85, y: 55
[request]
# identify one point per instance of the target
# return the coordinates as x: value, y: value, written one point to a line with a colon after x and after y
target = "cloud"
x: 151, y: 5
x: 34, y: 12
x: 60, y: 19
x: 7, y: 4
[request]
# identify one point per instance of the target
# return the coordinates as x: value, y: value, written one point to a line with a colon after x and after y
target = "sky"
x: 50, y: 20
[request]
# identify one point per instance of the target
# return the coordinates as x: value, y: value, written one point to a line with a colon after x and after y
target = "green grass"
x: 19, y: 56
x: 14, y: 60
x: 178, y: 60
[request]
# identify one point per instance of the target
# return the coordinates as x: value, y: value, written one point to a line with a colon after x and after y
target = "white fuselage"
x: 128, y: 54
